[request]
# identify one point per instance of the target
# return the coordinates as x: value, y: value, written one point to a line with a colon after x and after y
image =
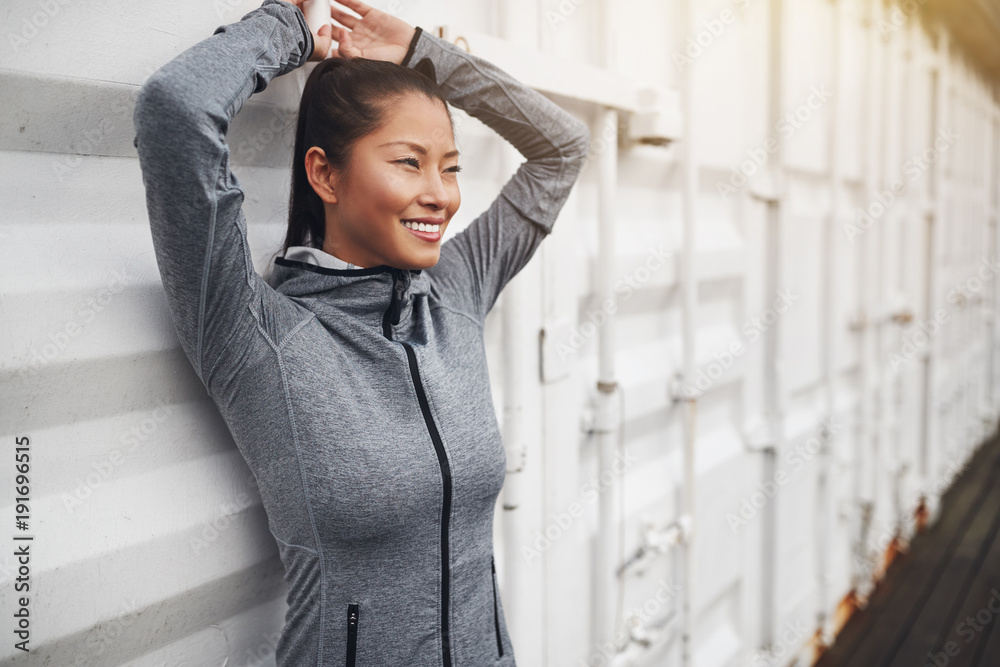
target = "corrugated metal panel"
x: 151, y: 547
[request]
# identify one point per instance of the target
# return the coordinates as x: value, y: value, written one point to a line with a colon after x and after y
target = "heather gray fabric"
x: 364, y: 411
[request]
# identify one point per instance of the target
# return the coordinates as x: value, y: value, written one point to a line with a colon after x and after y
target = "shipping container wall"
x: 792, y: 205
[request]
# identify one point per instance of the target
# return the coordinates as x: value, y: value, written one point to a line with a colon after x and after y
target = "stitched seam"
x: 457, y: 312
x: 207, y: 267
x: 213, y: 220
x: 296, y: 329
x: 294, y: 546
x: 466, y: 57
x: 258, y: 325
x: 305, y: 497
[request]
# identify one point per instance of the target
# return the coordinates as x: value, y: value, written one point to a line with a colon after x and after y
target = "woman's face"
x: 406, y: 170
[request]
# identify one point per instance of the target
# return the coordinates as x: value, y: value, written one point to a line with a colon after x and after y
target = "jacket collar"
x: 380, y: 295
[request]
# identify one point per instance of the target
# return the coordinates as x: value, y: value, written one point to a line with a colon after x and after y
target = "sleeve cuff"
x: 310, y: 43
x: 412, y: 47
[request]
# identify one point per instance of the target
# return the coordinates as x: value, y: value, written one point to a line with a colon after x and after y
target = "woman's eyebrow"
x: 417, y: 147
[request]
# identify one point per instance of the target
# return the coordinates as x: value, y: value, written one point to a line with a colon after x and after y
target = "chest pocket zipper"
x: 496, y: 612
x: 352, y: 633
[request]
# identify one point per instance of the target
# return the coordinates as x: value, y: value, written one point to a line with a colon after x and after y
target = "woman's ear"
x: 320, y: 174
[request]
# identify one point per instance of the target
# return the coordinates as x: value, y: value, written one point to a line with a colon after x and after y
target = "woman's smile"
x: 426, y: 229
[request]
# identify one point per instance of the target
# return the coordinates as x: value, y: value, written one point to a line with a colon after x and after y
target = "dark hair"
x: 342, y: 101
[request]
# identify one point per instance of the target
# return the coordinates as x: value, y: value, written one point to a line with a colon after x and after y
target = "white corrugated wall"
x: 844, y: 365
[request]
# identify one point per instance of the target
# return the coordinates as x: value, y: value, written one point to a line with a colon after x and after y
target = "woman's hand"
x: 374, y: 34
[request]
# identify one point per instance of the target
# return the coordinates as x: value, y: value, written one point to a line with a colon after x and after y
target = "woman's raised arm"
x: 479, y: 261
x: 194, y: 201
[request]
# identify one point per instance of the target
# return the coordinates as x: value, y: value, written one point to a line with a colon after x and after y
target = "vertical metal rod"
x: 608, y: 420
x: 835, y: 170
x: 772, y: 340
x: 689, y: 286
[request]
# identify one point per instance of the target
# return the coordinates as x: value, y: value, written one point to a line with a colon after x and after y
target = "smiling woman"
x: 374, y: 148
x: 354, y: 380
x: 392, y: 184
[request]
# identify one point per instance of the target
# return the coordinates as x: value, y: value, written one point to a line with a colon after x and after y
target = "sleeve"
x: 193, y: 199
x: 479, y: 261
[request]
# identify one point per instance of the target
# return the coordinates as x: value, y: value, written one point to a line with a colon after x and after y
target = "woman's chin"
x: 415, y: 261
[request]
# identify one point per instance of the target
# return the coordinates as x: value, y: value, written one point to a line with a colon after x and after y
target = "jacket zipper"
x: 496, y: 612
x: 445, y: 505
x: 400, y: 283
x: 392, y: 317
x: 352, y: 633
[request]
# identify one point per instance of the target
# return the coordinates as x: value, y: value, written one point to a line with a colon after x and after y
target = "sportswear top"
x: 360, y: 398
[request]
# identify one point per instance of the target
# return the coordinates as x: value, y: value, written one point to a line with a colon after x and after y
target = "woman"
x: 355, y: 381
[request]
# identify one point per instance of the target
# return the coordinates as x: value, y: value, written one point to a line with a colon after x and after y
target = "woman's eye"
x: 414, y: 162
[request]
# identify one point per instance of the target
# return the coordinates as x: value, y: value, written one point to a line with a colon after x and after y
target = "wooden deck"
x: 939, y: 604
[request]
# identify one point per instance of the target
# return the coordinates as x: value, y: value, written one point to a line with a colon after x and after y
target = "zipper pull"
x: 398, y: 293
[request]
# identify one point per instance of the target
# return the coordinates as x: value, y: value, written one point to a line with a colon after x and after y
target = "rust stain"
x: 819, y: 647
x: 845, y: 609
x: 921, y: 515
x: 893, y: 551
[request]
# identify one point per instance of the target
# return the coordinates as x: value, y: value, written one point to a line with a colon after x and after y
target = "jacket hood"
x: 380, y: 294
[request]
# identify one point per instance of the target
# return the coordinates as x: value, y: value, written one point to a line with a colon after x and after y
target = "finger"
x: 360, y: 7
x: 342, y: 17
x: 345, y: 46
x: 322, y: 42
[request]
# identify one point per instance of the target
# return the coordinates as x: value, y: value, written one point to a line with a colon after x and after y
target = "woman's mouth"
x: 426, y: 231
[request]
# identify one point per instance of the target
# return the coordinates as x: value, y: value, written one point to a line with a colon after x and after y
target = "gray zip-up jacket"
x: 360, y: 398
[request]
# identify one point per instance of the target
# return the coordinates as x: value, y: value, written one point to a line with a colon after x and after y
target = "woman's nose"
x: 435, y: 193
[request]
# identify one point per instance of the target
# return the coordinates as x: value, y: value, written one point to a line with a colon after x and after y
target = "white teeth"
x: 421, y: 226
